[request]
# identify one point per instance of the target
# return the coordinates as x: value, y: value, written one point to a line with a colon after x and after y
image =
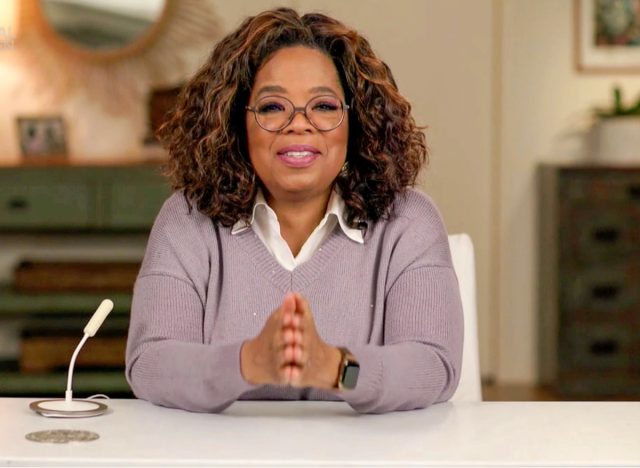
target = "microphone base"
x: 60, y: 408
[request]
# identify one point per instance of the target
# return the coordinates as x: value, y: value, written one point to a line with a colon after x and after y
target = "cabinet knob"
x: 604, y: 347
x: 634, y: 192
x: 607, y: 235
x: 17, y: 204
x: 605, y: 292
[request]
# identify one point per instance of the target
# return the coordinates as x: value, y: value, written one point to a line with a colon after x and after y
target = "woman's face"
x: 298, y: 162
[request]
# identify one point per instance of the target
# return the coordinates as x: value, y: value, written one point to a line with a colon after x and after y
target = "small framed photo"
x: 42, y: 138
x: 160, y: 103
x: 607, y: 36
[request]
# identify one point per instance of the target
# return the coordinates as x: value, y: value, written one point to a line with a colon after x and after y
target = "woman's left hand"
x: 312, y: 363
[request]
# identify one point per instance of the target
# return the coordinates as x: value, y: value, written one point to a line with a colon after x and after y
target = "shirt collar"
x: 241, y: 225
x: 335, y: 207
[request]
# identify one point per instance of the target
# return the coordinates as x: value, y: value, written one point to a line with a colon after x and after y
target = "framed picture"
x: 160, y: 103
x: 607, y: 36
x: 42, y: 138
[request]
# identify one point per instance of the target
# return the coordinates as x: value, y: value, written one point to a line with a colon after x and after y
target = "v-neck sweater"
x: 393, y: 301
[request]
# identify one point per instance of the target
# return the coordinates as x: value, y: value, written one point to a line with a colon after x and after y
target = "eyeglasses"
x: 273, y: 113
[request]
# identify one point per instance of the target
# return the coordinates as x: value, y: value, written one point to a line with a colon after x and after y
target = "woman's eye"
x: 270, y: 107
x: 326, y: 106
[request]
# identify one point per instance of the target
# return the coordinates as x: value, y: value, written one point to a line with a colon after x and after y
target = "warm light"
x: 8, y: 23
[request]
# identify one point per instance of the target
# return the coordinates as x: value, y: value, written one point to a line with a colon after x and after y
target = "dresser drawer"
x: 134, y: 204
x: 606, y: 347
x: 600, y: 185
x: 604, y: 290
x: 600, y: 232
x: 47, y: 206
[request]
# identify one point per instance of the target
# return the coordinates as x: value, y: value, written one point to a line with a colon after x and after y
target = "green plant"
x: 619, y: 109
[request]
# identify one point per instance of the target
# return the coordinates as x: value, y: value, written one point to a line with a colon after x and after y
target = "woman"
x: 294, y: 261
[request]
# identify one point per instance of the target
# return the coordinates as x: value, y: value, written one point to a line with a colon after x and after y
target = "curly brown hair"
x: 206, y: 136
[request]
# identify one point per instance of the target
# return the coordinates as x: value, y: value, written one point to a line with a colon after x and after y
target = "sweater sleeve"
x: 420, y: 360
x: 167, y: 361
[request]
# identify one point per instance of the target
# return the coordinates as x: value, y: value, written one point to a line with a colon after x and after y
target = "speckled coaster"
x: 61, y: 436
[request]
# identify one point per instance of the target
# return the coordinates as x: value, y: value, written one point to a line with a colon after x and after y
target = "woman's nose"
x: 299, y: 123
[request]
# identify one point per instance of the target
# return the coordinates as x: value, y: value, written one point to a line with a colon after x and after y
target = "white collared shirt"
x: 264, y: 222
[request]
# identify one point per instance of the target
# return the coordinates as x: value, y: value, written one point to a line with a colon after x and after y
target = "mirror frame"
x: 116, y: 81
x: 31, y: 15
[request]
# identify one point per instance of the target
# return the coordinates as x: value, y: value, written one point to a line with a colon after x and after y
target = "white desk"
x: 331, y: 434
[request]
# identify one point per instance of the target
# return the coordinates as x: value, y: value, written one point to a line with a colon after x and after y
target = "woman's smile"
x: 298, y: 155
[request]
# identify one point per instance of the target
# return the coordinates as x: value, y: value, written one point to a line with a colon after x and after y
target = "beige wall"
x: 441, y: 53
x: 544, y: 106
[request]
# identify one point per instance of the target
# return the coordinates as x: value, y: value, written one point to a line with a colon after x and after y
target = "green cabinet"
x: 36, y: 205
x: 80, y: 201
x: 80, y: 198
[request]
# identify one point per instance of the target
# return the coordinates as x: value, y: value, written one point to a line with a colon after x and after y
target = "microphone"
x: 69, y: 407
x: 89, y: 331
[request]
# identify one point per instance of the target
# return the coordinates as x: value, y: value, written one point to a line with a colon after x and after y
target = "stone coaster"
x: 62, y: 436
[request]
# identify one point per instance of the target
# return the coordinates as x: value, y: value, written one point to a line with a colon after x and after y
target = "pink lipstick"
x: 298, y: 155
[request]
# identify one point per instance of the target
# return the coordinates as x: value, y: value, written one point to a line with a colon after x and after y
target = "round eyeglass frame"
x: 302, y: 110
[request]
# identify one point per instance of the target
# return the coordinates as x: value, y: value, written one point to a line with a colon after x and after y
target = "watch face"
x: 351, y: 376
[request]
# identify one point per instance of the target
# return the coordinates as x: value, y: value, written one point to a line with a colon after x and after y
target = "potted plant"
x: 617, y: 132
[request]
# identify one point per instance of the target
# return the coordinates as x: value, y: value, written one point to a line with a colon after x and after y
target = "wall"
x: 544, y: 106
x: 441, y: 53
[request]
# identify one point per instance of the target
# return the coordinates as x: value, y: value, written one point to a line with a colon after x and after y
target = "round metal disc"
x: 61, y: 436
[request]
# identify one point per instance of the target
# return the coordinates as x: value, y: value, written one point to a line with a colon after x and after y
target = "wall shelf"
x: 83, y: 201
x: 53, y: 385
x: 19, y: 303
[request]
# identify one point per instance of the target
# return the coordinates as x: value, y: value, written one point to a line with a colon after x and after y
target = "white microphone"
x: 70, y: 407
x: 89, y: 331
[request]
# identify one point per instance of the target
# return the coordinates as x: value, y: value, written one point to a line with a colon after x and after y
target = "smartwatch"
x: 348, y: 371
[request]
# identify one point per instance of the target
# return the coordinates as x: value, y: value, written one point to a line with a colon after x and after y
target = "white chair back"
x: 469, y: 389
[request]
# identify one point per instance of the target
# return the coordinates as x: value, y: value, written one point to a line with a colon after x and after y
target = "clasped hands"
x: 289, y: 351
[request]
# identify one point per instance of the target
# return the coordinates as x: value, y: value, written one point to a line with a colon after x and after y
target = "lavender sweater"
x: 393, y: 301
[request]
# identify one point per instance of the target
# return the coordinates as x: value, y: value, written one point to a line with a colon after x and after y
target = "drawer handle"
x: 606, y: 235
x: 634, y: 192
x: 606, y: 292
x: 18, y: 204
x: 604, y: 347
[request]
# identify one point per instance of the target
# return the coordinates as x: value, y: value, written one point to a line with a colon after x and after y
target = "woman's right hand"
x: 263, y: 359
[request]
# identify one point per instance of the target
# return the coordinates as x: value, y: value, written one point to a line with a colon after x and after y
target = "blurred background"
x: 533, y: 124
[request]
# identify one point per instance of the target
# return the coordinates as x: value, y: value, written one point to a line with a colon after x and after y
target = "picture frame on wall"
x: 607, y: 36
x: 160, y: 103
x: 42, y: 138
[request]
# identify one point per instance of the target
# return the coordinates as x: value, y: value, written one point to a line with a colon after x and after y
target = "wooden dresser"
x: 589, y: 280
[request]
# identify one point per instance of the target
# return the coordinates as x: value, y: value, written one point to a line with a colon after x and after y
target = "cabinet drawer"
x: 605, y: 347
x: 601, y: 232
x: 134, y: 204
x: 47, y: 206
x: 604, y: 185
x: 604, y: 289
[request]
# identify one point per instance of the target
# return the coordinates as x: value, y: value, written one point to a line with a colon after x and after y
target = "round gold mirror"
x: 116, y: 50
x: 100, y: 29
x: 103, y: 25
